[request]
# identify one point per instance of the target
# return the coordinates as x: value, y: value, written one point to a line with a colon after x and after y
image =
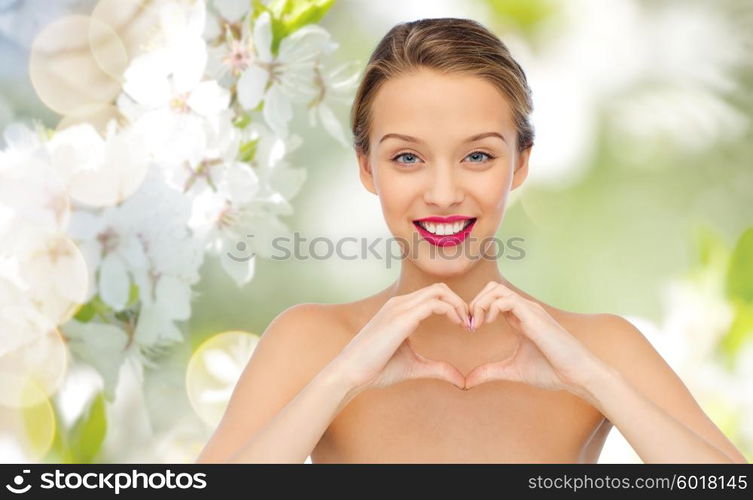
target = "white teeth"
x: 444, y: 229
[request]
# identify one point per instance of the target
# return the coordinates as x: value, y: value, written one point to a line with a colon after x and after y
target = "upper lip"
x: 442, y: 220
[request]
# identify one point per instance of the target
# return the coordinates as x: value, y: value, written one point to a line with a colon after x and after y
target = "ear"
x: 365, y: 172
x: 521, y: 168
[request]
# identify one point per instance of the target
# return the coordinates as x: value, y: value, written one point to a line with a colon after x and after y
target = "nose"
x: 444, y: 190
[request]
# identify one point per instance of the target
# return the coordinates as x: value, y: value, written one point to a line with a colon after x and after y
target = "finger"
x: 483, y: 303
x: 478, y: 312
x: 442, y: 291
x: 446, y: 293
x: 489, y: 372
x: 441, y: 370
x: 483, y: 291
x: 493, y: 285
x: 502, y: 304
x: 435, y: 306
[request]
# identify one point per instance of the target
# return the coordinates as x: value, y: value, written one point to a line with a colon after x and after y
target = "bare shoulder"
x: 296, y: 345
x: 613, y: 338
x: 320, y: 330
x: 623, y: 347
x: 310, y: 332
x: 587, y: 327
x: 610, y: 336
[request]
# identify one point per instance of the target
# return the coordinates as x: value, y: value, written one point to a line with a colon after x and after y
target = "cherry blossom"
x: 280, y: 78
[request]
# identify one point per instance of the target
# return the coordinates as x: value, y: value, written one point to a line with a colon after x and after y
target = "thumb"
x: 442, y: 370
x: 489, y: 372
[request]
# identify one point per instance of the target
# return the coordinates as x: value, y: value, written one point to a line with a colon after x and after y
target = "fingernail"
x: 473, y: 328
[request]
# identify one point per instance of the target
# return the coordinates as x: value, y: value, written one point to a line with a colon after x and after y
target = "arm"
x: 646, y: 400
x: 612, y: 366
x: 296, y: 429
x: 298, y: 380
x: 284, y: 399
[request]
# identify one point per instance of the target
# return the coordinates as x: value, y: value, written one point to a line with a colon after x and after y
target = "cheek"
x: 493, y: 189
x: 395, y: 189
x: 394, y: 195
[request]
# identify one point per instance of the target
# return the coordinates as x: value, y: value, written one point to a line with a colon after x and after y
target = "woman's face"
x: 442, y: 145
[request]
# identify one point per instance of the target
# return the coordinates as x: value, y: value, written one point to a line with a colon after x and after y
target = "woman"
x: 452, y: 363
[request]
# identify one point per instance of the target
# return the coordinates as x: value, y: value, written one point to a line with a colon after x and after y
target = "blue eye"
x: 408, y: 158
x: 475, y: 157
x: 480, y: 157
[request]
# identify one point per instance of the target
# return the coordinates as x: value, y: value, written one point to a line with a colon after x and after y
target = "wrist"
x: 601, y: 382
x: 336, y: 378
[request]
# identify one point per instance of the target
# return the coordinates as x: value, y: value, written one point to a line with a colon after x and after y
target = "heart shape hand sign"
x: 547, y: 356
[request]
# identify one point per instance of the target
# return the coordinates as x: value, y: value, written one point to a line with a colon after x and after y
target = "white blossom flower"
x: 120, y: 219
x: 270, y: 163
x: 288, y: 75
x: 334, y: 85
x: 165, y: 96
x: 145, y: 241
x: 232, y: 10
x: 173, y: 257
x: 113, y: 251
x: 220, y: 152
x: 54, y: 270
x: 231, y: 53
x: 31, y: 192
x: 99, y: 171
x: 239, y: 219
x: 20, y: 321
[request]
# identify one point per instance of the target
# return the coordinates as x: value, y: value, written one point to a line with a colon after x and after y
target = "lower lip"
x: 445, y: 240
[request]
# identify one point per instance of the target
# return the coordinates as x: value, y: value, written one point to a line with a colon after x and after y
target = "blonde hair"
x: 447, y: 45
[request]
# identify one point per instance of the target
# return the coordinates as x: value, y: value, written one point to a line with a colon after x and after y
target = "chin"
x: 444, y: 267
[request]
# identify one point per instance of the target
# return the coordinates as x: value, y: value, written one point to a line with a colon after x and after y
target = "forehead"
x: 430, y: 104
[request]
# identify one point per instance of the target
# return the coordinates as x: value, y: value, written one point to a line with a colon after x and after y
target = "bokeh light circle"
x: 31, y: 428
x: 213, y: 371
x: 76, y: 61
x: 34, y: 371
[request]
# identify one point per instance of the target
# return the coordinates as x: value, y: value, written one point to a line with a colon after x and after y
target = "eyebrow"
x: 409, y: 138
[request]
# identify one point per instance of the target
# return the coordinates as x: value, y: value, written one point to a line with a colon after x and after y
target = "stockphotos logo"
x: 115, y: 481
x: 17, y: 485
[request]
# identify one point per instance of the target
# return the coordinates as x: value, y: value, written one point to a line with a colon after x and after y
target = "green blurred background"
x: 641, y: 179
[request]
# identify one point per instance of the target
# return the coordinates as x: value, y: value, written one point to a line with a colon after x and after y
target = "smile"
x: 445, y: 231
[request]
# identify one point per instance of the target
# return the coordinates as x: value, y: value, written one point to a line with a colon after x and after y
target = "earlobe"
x: 521, y: 169
x: 365, y: 172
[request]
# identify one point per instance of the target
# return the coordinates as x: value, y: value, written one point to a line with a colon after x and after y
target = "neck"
x: 466, y: 284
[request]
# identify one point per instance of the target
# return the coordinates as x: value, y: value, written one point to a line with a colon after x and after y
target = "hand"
x: 547, y: 355
x: 381, y: 354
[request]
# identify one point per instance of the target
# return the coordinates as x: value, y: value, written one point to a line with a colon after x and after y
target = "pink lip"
x: 445, y: 220
x: 444, y: 240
